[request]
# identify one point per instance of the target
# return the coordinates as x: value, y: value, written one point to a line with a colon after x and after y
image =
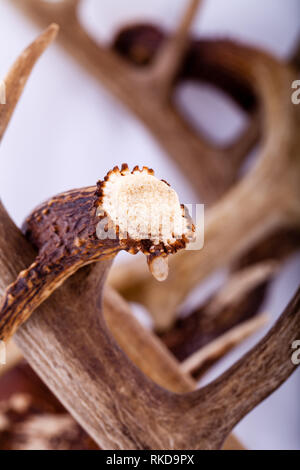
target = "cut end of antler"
x: 146, y: 215
x: 159, y: 267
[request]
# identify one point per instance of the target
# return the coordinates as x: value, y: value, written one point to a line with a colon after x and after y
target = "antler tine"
x: 155, y: 360
x: 118, y: 404
x: 143, y: 347
x: 15, y: 83
x: 256, y: 375
x: 16, y: 79
x: 200, y: 361
x: 240, y: 284
x: 15, y: 253
x: 237, y: 301
x: 169, y: 58
x: 100, y: 60
x: 275, y: 205
x: 132, y: 87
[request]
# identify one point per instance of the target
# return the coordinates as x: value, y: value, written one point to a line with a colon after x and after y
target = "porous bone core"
x: 144, y: 207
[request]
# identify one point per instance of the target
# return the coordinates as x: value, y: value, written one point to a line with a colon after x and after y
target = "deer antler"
x: 19, y: 73
x: 266, y: 200
x: 156, y: 361
x: 77, y: 349
x: 237, y: 302
x: 145, y: 93
x: 130, y: 211
x: 118, y: 405
x: 252, y: 276
x: 140, y: 44
x: 198, y: 62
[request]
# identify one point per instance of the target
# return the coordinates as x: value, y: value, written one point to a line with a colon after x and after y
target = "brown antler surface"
x: 265, y: 201
x: 19, y: 73
x: 131, y: 211
x: 77, y: 357
x: 175, y: 59
x: 139, y: 44
x: 78, y: 350
x: 171, y: 406
x: 146, y: 93
x: 237, y: 302
x: 239, y: 299
x: 166, y: 62
x: 156, y: 361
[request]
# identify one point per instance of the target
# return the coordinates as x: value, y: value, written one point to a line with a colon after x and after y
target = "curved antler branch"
x: 20, y: 254
x: 245, y: 214
x: 255, y: 376
x: 70, y: 349
x: 134, y: 88
x: 169, y: 59
x: 19, y: 73
x: 55, y: 343
x: 131, y: 211
x: 15, y: 83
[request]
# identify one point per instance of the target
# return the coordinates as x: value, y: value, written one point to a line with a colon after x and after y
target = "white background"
x: 68, y: 132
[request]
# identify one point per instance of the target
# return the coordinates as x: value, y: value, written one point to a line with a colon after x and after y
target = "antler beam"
x: 157, y: 363
x: 264, y: 202
x: 144, y: 93
x: 117, y: 404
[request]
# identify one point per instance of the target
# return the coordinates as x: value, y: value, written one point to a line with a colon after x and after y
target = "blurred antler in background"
x: 139, y: 44
x: 174, y: 49
x: 249, y: 282
x: 237, y: 302
x: 156, y: 361
x: 266, y: 200
x: 243, y: 66
x: 144, y: 92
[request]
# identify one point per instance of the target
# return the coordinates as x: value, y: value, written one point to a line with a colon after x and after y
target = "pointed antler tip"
x: 52, y: 30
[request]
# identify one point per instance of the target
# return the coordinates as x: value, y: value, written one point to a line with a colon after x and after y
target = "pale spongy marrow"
x: 144, y: 211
